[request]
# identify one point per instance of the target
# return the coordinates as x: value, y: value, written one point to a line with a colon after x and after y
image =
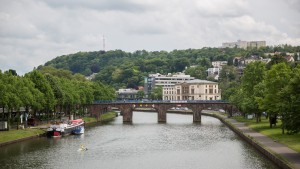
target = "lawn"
x: 292, y: 141
x: 14, y: 134
x: 104, y: 117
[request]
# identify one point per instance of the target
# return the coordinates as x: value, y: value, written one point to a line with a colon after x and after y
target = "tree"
x: 156, y: 93
x: 198, y: 72
x: 44, y: 87
x: 276, y: 80
x: 290, y: 102
x: 253, y: 74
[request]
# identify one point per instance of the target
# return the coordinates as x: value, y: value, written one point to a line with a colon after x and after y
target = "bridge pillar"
x: 197, y: 109
x: 161, y: 113
x: 197, y: 116
x: 127, y: 114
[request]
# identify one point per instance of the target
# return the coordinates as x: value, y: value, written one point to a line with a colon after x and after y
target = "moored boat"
x: 62, y: 129
x: 78, y: 130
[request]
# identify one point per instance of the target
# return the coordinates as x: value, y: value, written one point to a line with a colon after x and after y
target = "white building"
x: 214, y: 72
x: 164, y: 80
x: 244, y: 44
x: 218, y: 64
x: 130, y: 94
x: 193, y: 90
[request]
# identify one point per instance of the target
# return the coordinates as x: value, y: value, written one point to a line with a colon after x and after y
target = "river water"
x: 144, y: 144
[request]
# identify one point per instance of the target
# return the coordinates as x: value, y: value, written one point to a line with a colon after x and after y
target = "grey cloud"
x: 33, y: 32
x: 102, y: 5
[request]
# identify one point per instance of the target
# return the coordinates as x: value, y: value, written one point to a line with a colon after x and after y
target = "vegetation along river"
x: 144, y: 144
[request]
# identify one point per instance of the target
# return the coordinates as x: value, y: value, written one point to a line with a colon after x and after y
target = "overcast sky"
x: 33, y: 32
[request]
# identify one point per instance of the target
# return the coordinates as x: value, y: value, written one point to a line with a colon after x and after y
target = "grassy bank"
x: 292, y: 141
x: 13, y: 134
x: 104, y: 117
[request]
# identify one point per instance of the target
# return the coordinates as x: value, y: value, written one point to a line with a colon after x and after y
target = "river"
x: 144, y: 144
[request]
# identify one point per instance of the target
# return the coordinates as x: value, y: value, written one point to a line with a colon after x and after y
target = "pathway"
x: 292, y: 156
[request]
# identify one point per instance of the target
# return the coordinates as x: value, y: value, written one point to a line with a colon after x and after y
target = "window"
x: 178, y: 91
x: 193, y: 91
x: 205, y: 90
x: 211, y: 91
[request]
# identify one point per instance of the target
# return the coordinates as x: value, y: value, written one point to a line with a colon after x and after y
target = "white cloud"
x: 33, y: 32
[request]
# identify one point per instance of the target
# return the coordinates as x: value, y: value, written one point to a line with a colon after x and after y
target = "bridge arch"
x: 161, y: 108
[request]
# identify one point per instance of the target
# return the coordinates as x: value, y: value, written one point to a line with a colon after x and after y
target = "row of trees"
x: 275, y: 91
x: 48, y: 91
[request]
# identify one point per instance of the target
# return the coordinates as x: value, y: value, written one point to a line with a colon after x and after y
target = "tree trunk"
x: 283, y: 124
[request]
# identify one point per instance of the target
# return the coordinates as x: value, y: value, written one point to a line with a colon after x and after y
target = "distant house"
x: 218, y: 64
x: 214, y: 72
x: 127, y: 94
x: 289, y: 58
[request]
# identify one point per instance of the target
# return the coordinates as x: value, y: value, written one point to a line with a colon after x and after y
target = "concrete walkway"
x: 292, y: 156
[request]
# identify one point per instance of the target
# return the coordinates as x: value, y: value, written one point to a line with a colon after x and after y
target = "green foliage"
x: 50, y: 90
x: 156, y: 93
x: 118, y: 68
x: 275, y: 91
x: 199, y: 72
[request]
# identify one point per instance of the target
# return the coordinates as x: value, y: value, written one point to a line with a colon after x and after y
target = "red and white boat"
x: 62, y: 129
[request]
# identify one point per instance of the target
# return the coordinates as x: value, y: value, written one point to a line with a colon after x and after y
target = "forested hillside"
x: 120, y: 69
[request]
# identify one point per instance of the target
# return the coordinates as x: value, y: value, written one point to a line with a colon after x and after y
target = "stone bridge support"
x: 162, y: 113
x: 197, y: 109
x: 126, y: 110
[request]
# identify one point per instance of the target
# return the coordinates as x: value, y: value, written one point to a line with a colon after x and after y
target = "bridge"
x: 160, y: 106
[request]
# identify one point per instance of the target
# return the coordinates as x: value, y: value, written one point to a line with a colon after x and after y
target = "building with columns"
x: 193, y: 90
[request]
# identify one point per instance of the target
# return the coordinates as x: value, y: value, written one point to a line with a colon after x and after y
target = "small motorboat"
x: 78, y: 130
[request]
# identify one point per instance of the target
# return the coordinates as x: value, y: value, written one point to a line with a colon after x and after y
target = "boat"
x: 62, y: 129
x: 78, y: 130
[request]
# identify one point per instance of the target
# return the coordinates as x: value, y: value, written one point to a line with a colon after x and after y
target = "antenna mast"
x: 103, y: 43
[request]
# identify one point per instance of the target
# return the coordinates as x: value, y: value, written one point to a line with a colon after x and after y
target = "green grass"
x: 89, y: 119
x: 14, y: 134
x: 108, y: 115
x: 263, y: 127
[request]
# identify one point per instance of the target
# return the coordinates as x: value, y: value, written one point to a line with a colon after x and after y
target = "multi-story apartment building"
x: 164, y: 80
x: 193, y: 90
x: 244, y: 44
x: 238, y: 44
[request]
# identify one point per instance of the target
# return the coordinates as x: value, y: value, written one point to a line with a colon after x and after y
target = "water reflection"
x: 144, y: 144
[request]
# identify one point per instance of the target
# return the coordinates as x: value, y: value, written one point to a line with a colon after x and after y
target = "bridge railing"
x: 158, y: 101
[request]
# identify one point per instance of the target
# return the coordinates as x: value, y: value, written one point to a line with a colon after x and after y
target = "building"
x: 244, y: 44
x: 127, y: 94
x: 256, y: 44
x: 214, y: 72
x: 238, y: 44
x: 164, y: 80
x: 218, y: 64
x: 193, y: 90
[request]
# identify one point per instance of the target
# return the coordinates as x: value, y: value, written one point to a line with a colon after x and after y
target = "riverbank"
x: 263, y: 127
x: 280, y: 154
x: 14, y: 136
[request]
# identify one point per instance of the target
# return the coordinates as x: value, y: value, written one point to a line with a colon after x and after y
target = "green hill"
x: 120, y: 69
